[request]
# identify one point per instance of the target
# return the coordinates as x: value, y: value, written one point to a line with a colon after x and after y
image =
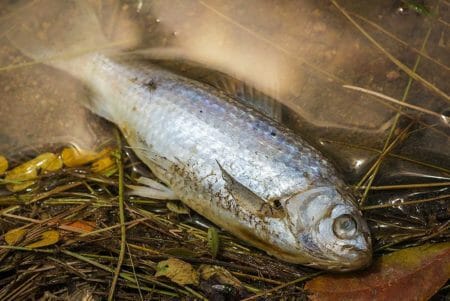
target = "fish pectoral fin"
x: 151, y: 189
x: 248, y: 199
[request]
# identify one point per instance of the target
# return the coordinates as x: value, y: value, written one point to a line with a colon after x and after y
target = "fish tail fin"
x: 56, y: 32
x: 72, y: 35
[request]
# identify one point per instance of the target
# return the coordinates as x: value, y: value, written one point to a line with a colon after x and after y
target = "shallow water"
x: 300, y: 53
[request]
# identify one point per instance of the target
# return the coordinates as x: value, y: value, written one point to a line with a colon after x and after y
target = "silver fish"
x: 243, y: 171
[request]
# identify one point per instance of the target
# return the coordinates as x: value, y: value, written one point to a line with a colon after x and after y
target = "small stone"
x: 392, y: 75
x: 319, y: 27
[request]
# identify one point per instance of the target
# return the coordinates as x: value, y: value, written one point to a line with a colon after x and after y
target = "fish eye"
x: 344, y: 226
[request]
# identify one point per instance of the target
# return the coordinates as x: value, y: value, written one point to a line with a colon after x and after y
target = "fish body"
x: 233, y: 165
x: 238, y: 168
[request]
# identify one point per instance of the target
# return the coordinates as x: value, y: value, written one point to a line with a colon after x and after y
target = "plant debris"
x: 66, y: 229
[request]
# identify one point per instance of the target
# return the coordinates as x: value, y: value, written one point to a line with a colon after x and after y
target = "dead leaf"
x: 80, y: 226
x: 409, y: 274
x: 49, y: 238
x: 21, y: 176
x: 178, y: 271
x: 73, y: 157
x: 3, y: 164
x: 222, y: 275
x: 52, y: 162
x: 14, y: 236
x: 103, y: 164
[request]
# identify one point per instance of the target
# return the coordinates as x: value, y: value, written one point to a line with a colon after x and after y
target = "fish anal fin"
x: 151, y: 189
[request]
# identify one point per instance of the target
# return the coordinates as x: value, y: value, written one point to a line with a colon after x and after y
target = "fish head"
x: 329, y: 229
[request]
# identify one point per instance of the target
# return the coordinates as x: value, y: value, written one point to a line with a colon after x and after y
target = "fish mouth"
x: 345, y: 258
x: 361, y: 260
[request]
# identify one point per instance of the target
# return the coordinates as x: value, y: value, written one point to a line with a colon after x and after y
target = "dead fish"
x: 238, y: 168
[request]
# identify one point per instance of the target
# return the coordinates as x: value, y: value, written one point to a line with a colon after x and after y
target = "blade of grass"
x: 437, y: 198
x: 277, y: 288
x: 121, y: 218
x: 370, y: 175
x: 404, y: 158
x: 134, y: 273
x: 408, y: 186
x: 386, y: 148
x: 124, y: 275
x: 43, y: 195
x: 394, y: 37
x: 398, y: 102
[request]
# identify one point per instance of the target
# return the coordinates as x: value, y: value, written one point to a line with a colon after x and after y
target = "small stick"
x: 122, y: 221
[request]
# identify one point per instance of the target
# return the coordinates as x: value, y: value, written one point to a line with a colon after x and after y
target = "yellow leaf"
x: 43, y: 160
x: 21, y: 176
x: 53, y: 163
x: 73, y: 157
x: 14, y: 236
x: 178, y: 271
x: 3, y: 164
x: 102, y: 164
x: 19, y: 187
x: 49, y: 238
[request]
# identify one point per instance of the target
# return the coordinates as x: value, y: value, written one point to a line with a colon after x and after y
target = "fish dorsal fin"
x: 230, y: 85
x: 248, y: 95
x: 248, y: 199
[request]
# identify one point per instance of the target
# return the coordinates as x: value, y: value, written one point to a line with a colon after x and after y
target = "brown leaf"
x: 79, y: 226
x: 409, y: 274
x: 222, y: 275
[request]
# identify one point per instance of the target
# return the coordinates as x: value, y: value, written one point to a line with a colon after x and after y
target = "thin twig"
x: 408, y: 186
x: 394, y: 37
x: 406, y: 203
x: 267, y: 292
x: 398, y: 102
x: 121, y: 218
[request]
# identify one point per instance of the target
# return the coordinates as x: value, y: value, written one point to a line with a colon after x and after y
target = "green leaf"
x: 213, y: 241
